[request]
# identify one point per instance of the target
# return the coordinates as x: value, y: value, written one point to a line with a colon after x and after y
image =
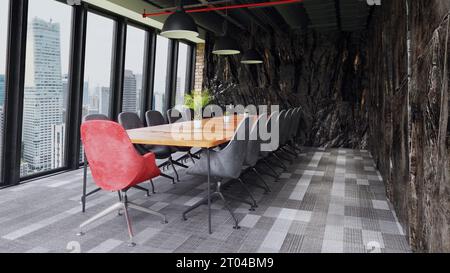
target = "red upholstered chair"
x: 116, y: 166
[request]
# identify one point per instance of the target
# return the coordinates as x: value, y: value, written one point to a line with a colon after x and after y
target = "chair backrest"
x: 176, y: 115
x: 254, y: 143
x: 112, y: 158
x: 233, y: 155
x: 95, y: 117
x: 272, y: 120
x: 296, y: 121
x: 188, y: 114
x: 290, y: 123
x: 173, y: 115
x: 130, y: 120
x: 154, y: 118
x: 269, y: 126
x: 212, y: 110
x: 281, y: 125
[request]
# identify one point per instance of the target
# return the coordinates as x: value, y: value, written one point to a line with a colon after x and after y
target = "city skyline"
x: 46, y: 78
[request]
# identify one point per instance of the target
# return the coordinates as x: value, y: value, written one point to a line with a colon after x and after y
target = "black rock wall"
x: 323, y: 74
x: 356, y: 92
x: 408, y: 123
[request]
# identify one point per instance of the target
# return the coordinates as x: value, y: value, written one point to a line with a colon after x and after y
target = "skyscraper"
x: 104, y: 101
x: 138, y: 91
x: 58, y: 142
x: 179, y: 92
x: 43, y: 94
x: 2, y: 114
x: 2, y: 120
x: 129, y: 92
x: 2, y: 90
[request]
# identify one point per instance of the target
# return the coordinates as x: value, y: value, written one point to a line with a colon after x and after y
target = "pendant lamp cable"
x: 252, y: 33
x: 225, y: 22
x: 179, y: 5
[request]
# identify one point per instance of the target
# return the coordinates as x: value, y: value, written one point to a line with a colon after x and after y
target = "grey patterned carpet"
x: 329, y: 200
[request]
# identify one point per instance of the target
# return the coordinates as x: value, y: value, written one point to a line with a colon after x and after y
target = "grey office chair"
x: 155, y: 118
x: 295, y: 123
x: 284, y: 148
x: 278, y: 153
x: 252, y: 155
x: 225, y: 164
x: 173, y: 116
x: 288, y: 131
x: 212, y: 111
x: 130, y: 120
x: 265, y: 155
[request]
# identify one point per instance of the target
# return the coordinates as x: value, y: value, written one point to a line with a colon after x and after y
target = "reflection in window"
x: 159, y: 87
x: 182, y: 70
x: 45, y: 101
x: 3, y: 36
x: 134, y: 64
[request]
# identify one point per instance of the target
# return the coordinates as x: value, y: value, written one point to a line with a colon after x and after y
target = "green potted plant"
x: 197, y: 100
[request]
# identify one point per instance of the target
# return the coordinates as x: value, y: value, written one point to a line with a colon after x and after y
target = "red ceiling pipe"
x: 237, y: 6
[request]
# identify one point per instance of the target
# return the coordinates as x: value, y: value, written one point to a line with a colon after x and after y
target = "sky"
x: 98, y: 45
x: 3, y: 33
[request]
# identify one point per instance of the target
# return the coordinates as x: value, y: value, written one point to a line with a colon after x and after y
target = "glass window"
x: 3, y: 36
x: 159, y: 87
x: 134, y: 65
x: 47, y: 61
x: 182, y: 70
x: 97, y: 65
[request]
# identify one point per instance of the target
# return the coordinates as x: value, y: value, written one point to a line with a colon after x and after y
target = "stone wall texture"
x: 408, y: 124
x: 323, y: 74
x: 356, y: 92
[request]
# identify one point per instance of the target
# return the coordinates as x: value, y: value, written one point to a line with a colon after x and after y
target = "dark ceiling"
x: 322, y: 15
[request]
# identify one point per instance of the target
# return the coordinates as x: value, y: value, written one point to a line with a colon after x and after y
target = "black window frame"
x: 15, y: 78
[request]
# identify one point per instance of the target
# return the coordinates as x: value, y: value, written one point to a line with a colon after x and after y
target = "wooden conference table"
x: 213, y: 132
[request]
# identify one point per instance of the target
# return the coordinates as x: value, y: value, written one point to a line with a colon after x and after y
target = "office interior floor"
x: 329, y: 200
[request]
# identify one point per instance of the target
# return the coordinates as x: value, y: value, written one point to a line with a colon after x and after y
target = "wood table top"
x: 213, y: 132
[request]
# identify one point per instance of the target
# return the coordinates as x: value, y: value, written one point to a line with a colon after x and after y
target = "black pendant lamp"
x: 225, y: 45
x: 251, y: 56
x: 179, y: 25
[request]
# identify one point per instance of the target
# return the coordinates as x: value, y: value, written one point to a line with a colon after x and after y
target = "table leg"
x: 209, y: 189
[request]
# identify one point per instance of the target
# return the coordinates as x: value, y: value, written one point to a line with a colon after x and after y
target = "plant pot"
x: 198, y: 123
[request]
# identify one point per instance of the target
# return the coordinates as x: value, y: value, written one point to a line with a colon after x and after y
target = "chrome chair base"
x: 213, y: 196
x: 122, y: 205
x: 85, y: 194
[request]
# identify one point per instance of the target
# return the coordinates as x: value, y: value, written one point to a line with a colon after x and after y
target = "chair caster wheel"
x: 164, y: 221
x: 184, y: 218
x: 251, y: 209
x: 236, y: 227
x: 80, y: 233
x: 131, y: 244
